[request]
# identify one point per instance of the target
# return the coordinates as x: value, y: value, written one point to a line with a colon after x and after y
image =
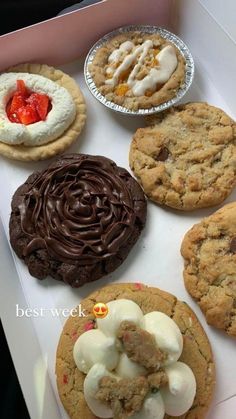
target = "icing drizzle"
x: 128, y: 55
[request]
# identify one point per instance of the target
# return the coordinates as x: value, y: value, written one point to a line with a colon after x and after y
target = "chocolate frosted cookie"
x: 209, y: 250
x: 77, y: 220
x: 186, y: 159
x: 146, y: 357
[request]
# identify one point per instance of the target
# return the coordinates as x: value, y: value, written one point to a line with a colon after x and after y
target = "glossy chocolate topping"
x: 80, y: 211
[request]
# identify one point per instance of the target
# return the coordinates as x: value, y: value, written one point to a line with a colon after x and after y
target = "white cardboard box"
x: 155, y: 259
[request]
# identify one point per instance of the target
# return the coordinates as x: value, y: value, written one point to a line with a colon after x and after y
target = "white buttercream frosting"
x: 166, y: 332
x: 97, y: 354
x: 128, y: 55
x: 118, y: 311
x: 129, y: 369
x: 91, y: 387
x: 94, y: 347
x: 179, y: 395
x: 153, y: 408
x: 58, y: 119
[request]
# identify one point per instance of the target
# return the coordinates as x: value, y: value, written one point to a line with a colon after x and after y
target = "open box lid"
x: 44, y: 42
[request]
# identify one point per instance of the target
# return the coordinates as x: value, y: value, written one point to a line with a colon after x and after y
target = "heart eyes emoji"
x: 100, y: 310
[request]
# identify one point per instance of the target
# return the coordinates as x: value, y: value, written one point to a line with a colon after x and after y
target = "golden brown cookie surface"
x: 196, y: 351
x: 186, y: 159
x: 209, y: 250
x: 26, y: 153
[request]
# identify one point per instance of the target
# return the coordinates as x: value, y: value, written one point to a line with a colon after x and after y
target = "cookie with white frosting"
x: 42, y: 112
x: 138, y: 70
x: 148, y: 358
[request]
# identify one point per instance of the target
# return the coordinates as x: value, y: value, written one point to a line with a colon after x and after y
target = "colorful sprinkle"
x: 188, y: 337
x: 138, y: 285
x: 74, y: 336
x: 65, y: 379
x: 89, y: 325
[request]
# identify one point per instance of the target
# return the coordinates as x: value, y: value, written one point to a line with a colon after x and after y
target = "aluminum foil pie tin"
x: 189, y: 69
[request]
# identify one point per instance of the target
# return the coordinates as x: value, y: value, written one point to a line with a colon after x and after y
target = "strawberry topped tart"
x: 42, y: 112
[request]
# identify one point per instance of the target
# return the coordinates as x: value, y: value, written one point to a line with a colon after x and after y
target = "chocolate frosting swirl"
x: 80, y: 209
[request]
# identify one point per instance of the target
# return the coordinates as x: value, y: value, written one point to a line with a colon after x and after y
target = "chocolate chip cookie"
x: 78, y: 219
x: 186, y: 158
x: 196, y: 353
x: 209, y: 250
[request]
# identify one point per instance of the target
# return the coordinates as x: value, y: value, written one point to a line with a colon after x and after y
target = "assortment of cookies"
x: 146, y: 356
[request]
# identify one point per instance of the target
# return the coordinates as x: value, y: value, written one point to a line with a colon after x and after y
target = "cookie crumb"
x: 140, y: 346
x: 157, y: 380
x: 125, y: 397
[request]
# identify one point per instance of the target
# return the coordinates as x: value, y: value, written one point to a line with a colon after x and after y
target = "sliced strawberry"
x: 40, y: 102
x: 17, y: 102
x: 26, y: 107
x: 21, y: 88
x: 42, y: 107
x: 28, y: 115
x: 13, y: 117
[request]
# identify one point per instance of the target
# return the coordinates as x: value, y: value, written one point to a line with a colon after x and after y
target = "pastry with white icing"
x: 141, y: 70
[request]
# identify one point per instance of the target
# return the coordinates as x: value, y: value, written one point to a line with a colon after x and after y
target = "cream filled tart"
x: 137, y: 353
x: 42, y: 112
